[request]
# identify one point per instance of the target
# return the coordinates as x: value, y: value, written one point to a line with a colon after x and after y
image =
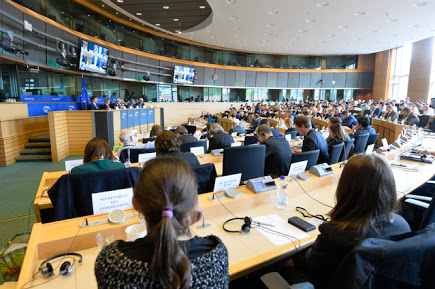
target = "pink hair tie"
x: 168, y: 212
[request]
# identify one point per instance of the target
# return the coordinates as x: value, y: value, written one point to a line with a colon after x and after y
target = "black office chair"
x: 334, y: 154
x: 347, y: 146
x: 360, y: 143
x: 310, y: 156
x: 191, y: 129
x: 424, y: 119
x: 205, y: 177
x: 248, y: 160
x: 185, y: 147
x: 249, y: 131
x: 134, y: 154
x: 372, y: 139
x: 251, y: 140
x: 292, y: 133
x: 145, y: 140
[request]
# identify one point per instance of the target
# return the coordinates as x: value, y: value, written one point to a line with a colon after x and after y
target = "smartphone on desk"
x: 301, y: 224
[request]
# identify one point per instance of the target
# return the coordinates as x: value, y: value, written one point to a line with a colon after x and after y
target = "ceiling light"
x: 322, y: 4
x: 165, y: 7
x: 273, y: 12
x: 231, y: 1
x: 310, y: 20
x: 420, y: 4
x: 302, y: 31
x: 234, y: 17
x: 208, y: 30
x: 236, y: 28
x: 270, y: 25
x: 157, y: 24
x: 201, y: 7
x: 359, y: 13
x: 120, y: 1
x: 294, y: 38
x: 138, y: 14
x: 343, y: 26
x: 331, y: 35
x: 102, y: 5
x: 117, y: 13
x: 176, y: 19
x: 89, y: 15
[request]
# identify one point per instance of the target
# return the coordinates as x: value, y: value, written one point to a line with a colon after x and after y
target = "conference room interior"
x: 55, y: 58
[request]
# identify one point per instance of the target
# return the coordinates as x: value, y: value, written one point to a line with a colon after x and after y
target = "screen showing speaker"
x: 184, y: 75
x: 93, y: 57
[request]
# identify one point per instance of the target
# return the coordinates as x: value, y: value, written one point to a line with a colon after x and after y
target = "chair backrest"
x: 248, y: 160
x: 360, y: 143
x: 145, y: 140
x: 134, y: 154
x: 191, y: 129
x: 71, y: 195
x: 347, y: 146
x: 310, y: 156
x: 372, y: 139
x: 205, y: 177
x: 249, y: 131
x: 429, y: 215
x: 292, y: 133
x: 334, y: 154
x: 424, y: 119
x: 185, y: 147
x: 251, y: 139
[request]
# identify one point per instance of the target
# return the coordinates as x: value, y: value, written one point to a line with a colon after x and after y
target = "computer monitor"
x: 248, y: 160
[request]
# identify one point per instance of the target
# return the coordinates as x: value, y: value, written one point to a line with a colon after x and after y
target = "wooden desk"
x: 387, y: 130
x: 226, y: 123
x: 321, y: 124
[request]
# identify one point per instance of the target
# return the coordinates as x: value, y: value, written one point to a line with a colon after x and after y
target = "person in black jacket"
x: 183, y: 135
x: 336, y: 136
x: 220, y: 139
x: 275, y: 131
x: 354, y: 217
x: 278, y: 152
x: 93, y: 105
x: 409, y: 117
x: 313, y: 140
x: 167, y: 144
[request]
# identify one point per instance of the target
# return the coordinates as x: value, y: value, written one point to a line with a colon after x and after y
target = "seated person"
x: 278, y: 152
x: 167, y: 144
x: 349, y: 119
x: 131, y: 103
x: 408, y: 117
x: 98, y: 157
x: 155, y: 130
x: 168, y: 256
x: 362, y: 127
x: 313, y: 140
x: 183, y: 135
x: 307, y: 114
x: 333, y: 120
x: 93, y: 105
x: 106, y: 104
x: 354, y: 217
x: 290, y: 125
x: 129, y: 138
x: 336, y: 136
x: 119, y: 104
x: 236, y: 127
x: 275, y: 131
x: 219, y: 139
x: 390, y: 114
x: 255, y: 121
x: 207, y: 130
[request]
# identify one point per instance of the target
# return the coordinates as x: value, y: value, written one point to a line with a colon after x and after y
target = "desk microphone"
x: 204, y: 225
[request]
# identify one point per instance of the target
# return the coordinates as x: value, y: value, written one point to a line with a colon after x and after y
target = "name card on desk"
x: 146, y: 157
x: 236, y: 144
x: 226, y: 182
x: 197, y: 150
x: 297, y: 168
x: 370, y: 148
x: 69, y: 165
x: 105, y: 202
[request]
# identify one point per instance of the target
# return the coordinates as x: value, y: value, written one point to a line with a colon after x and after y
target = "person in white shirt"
x: 428, y: 110
x: 129, y: 138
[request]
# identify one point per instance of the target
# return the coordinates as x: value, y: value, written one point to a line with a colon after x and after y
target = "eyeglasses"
x: 306, y: 214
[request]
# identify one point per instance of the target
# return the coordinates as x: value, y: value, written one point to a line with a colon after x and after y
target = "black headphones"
x: 47, y: 269
x: 246, y: 227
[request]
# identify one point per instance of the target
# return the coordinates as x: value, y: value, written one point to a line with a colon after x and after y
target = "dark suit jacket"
x: 238, y: 129
x: 93, y: 106
x: 278, y: 157
x: 392, y: 114
x: 377, y: 112
x: 313, y: 141
x: 104, y: 106
x: 187, y: 138
x: 188, y: 157
x: 219, y: 141
x: 412, y: 119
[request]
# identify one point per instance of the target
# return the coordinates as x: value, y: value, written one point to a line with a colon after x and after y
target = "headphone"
x: 46, y: 268
x: 246, y: 227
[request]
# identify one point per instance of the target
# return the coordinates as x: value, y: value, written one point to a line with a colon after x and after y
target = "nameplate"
x: 385, y: 143
x: 197, y: 150
x: 234, y: 134
x: 288, y: 137
x: 146, y: 157
x: 236, y: 144
x: 370, y: 148
x: 226, y: 182
x: 69, y: 165
x: 105, y: 202
x: 296, y: 168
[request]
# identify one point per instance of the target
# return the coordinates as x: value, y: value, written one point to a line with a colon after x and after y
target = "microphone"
x: 204, y: 224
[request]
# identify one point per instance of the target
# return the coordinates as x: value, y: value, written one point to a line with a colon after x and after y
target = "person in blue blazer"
x: 349, y: 119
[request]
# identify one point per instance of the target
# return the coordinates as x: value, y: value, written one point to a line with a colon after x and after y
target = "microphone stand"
x: 204, y: 224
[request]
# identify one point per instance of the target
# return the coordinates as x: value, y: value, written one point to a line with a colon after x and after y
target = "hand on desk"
x: 426, y: 152
x: 295, y: 150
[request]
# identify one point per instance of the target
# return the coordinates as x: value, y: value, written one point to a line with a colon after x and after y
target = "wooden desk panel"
x: 387, y: 130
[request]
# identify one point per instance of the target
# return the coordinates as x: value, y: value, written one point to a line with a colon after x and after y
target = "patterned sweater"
x: 115, y: 270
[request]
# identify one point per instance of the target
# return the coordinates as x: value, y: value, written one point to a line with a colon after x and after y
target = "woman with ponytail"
x: 168, y: 257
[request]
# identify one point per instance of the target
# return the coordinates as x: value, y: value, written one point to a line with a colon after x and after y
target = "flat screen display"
x: 184, y: 75
x: 93, y: 57
x: 259, y: 185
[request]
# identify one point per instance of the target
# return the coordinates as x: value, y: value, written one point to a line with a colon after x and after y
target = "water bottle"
x: 281, y: 194
x: 127, y: 163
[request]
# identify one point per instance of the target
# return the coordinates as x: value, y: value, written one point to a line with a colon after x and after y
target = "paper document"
x: 280, y: 226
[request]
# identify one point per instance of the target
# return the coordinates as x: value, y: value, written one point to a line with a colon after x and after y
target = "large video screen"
x: 184, y: 75
x: 93, y: 57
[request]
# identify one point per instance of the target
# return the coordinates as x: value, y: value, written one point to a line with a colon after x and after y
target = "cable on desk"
x: 311, y: 196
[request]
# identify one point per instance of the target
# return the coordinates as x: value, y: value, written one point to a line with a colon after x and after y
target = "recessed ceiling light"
x: 343, y: 26
x: 310, y: 20
x: 236, y: 28
x: 157, y: 24
x: 294, y: 38
x: 120, y: 1
x: 273, y: 12
x: 331, y: 35
x: 129, y: 19
x: 234, y: 17
x: 176, y: 19
x: 302, y: 31
x: 117, y: 13
x: 322, y: 4
x: 102, y: 5
x: 138, y: 14
x: 231, y: 1
x: 420, y: 4
x: 238, y: 41
x: 270, y: 25
x: 165, y: 7
x: 202, y: 7
x: 208, y: 30
x: 359, y: 13
x: 89, y: 15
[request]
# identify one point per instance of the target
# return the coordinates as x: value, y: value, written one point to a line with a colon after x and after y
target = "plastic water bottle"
x: 127, y: 163
x: 281, y: 194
